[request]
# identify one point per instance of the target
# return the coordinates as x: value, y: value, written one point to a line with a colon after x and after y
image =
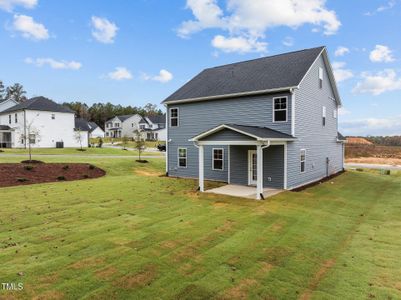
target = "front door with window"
x: 252, y: 167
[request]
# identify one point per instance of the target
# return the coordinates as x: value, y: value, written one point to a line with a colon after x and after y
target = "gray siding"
x: 319, y: 142
x: 273, y: 165
x: 198, y: 117
x: 228, y: 135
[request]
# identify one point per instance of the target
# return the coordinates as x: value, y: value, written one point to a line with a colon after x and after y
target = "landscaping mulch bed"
x: 23, y: 174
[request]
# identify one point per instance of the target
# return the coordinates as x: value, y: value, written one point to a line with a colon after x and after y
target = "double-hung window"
x: 174, y: 115
x: 280, y: 109
x: 9, y: 119
x: 16, y: 118
x: 303, y: 160
x: 320, y: 77
x: 218, y: 159
x: 182, y: 157
x: 324, y: 116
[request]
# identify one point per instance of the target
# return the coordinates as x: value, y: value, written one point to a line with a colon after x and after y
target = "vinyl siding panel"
x: 318, y: 140
x: 228, y: 135
x: 198, y: 117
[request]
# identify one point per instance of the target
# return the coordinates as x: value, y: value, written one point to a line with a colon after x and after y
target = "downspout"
x: 167, y: 138
x: 24, y: 128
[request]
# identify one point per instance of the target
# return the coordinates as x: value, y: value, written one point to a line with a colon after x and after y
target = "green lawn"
x: 135, y: 235
x: 74, y: 151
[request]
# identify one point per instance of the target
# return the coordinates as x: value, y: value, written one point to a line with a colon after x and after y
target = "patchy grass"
x: 133, y: 234
x: 74, y: 151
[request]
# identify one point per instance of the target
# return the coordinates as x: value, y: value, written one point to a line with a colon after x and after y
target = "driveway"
x: 372, y: 166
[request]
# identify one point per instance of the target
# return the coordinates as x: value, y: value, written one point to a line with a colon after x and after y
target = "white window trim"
x: 178, y: 116
x: 178, y: 157
x: 286, y: 109
x: 321, y: 77
x: 222, y: 159
x: 335, y: 113
x: 300, y: 160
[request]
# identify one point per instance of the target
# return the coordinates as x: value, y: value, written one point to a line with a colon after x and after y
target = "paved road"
x: 82, y: 156
x: 372, y: 166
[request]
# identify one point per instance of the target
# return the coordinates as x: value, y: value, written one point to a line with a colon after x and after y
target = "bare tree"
x: 139, y: 144
x: 124, y: 142
x: 31, y: 136
x: 78, y: 138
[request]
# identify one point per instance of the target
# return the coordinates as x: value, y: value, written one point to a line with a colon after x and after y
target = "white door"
x: 252, y: 167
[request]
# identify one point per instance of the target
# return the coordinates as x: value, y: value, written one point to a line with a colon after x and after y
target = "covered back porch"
x: 256, y: 159
x: 6, y: 137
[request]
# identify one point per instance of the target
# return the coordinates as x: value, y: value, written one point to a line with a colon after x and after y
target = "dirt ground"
x: 12, y: 174
x: 375, y: 160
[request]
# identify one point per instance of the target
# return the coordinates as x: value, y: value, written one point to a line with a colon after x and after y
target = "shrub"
x: 385, y: 172
x: 61, y: 178
x: 28, y: 168
x: 85, y: 176
x: 22, y: 180
x: 359, y: 169
x: 91, y: 167
x: 66, y: 167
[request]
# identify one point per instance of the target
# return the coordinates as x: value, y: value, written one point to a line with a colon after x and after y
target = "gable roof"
x: 263, y: 75
x: 39, y: 103
x: 82, y: 124
x: 256, y: 132
x: 157, y: 119
x: 5, y: 127
x: 122, y: 118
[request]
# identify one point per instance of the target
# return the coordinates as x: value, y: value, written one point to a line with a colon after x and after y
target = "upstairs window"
x: 9, y: 119
x: 320, y: 77
x: 218, y: 159
x: 280, y: 109
x: 174, y: 115
x: 182, y: 157
x: 32, y: 138
x: 324, y: 116
x: 16, y: 118
x: 303, y: 160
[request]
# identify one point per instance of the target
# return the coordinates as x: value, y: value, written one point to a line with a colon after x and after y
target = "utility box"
x: 59, y: 144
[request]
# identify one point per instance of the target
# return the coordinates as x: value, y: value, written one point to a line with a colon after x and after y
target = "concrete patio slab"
x: 242, y: 191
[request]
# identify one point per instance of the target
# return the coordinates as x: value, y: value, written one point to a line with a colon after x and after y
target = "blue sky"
x: 134, y: 52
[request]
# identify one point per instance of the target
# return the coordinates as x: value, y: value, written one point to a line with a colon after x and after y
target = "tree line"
x: 385, y: 140
x: 15, y: 92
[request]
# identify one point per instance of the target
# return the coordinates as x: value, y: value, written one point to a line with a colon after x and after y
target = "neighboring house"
x: 120, y: 126
x: 269, y: 122
x: 154, y: 127
x: 95, y: 131
x: 6, y: 104
x: 41, y: 120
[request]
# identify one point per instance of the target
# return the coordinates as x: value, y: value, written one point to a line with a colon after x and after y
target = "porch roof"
x: 5, y: 127
x: 253, y: 132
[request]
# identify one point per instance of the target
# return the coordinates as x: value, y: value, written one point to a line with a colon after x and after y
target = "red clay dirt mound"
x: 358, y: 140
x: 23, y: 174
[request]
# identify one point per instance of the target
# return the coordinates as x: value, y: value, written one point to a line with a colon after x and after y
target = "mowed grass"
x: 134, y: 235
x: 75, y: 151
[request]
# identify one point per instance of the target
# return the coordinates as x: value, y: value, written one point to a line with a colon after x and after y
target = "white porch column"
x: 259, y: 180
x: 201, y: 169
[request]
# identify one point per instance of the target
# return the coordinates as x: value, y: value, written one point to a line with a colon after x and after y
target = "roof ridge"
x: 264, y: 57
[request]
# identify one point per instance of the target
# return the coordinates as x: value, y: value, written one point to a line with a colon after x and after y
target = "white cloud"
x: 288, y: 41
x: 378, y: 83
x: 103, y: 30
x: 238, y: 44
x: 342, y: 111
x: 372, y: 126
x: 30, y: 29
x: 389, y: 5
x: 120, y: 73
x: 341, y: 51
x: 340, y: 72
x: 8, y: 5
x: 381, y: 53
x: 54, y: 64
x: 163, y: 77
x: 250, y: 19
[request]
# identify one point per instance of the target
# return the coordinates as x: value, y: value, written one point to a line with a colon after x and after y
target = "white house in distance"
x: 154, y: 127
x: 120, y: 126
x: 6, y: 104
x: 41, y: 120
x: 95, y: 131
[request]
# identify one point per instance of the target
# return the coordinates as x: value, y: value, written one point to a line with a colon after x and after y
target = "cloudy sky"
x: 134, y: 52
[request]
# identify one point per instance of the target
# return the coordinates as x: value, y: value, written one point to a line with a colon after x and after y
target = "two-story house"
x: 270, y: 122
x: 41, y: 120
x: 154, y: 127
x: 120, y: 126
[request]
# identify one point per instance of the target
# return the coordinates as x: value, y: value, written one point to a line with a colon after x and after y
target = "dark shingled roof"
x: 340, y: 137
x: 39, y: 103
x: 82, y: 124
x: 157, y: 119
x: 5, y: 127
x: 266, y: 73
x: 259, y: 132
